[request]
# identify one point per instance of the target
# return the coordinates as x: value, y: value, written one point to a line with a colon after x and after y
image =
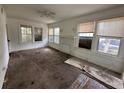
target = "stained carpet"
x: 41, y: 68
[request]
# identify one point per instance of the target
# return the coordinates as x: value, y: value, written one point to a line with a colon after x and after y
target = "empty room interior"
x: 62, y: 46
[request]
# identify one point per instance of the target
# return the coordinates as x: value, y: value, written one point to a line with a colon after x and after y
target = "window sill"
x: 38, y: 41
x: 108, y: 55
x: 99, y: 53
x: 54, y: 43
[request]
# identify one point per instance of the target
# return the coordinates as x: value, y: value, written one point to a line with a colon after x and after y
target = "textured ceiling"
x: 63, y: 11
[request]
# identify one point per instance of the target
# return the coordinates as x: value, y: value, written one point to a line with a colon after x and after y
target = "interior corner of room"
x: 82, y: 38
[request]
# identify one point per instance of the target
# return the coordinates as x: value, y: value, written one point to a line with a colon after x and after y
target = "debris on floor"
x: 97, y: 73
x: 105, y: 77
x: 84, y: 81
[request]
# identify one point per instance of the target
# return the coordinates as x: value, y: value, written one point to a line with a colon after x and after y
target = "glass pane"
x: 26, y: 33
x: 38, y: 37
x: 85, y: 42
x: 23, y: 30
x: 38, y: 34
x: 50, y: 38
x: 108, y: 45
x: 56, y: 31
x: 28, y: 30
x: 26, y: 38
x: 50, y: 31
x: 39, y: 31
x: 56, y: 39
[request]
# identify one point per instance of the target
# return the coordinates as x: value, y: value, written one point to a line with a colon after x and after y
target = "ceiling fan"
x: 47, y: 13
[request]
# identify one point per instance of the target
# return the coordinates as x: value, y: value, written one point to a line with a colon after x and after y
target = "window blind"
x: 111, y: 27
x: 86, y: 27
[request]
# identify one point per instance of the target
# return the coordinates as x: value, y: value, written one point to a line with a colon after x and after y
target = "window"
x: 54, y: 35
x: 85, y: 35
x: 110, y: 32
x: 38, y: 34
x: 26, y: 33
x: 109, y: 45
x: 50, y: 34
x: 111, y: 27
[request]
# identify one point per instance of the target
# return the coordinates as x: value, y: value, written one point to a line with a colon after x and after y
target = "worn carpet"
x: 41, y: 68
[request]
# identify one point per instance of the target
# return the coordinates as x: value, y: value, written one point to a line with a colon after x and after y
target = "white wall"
x: 4, y: 55
x: 69, y: 31
x: 15, y: 44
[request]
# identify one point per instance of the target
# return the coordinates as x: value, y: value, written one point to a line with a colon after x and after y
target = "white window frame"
x: 53, y: 36
x: 108, y: 54
x: 21, y: 33
x: 77, y: 35
x: 35, y: 32
x: 56, y: 35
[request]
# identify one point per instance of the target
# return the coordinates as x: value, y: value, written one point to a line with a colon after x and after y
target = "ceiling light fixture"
x: 46, y: 13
